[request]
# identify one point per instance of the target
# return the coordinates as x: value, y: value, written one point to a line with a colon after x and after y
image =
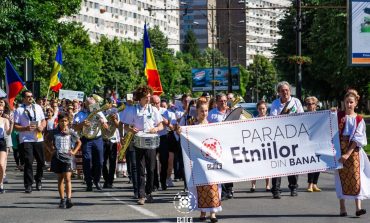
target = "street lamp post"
x: 213, y: 54
x: 230, y: 78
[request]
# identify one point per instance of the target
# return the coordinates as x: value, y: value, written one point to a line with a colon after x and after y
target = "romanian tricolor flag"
x: 151, y: 71
x: 14, y: 84
x: 55, y: 83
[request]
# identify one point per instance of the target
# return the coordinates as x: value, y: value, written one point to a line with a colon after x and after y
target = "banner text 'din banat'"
x: 260, y: 148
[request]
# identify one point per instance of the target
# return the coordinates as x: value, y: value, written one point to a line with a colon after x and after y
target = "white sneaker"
x: 169, y: 182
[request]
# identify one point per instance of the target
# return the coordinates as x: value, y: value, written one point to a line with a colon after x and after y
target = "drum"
x: 145, y: 140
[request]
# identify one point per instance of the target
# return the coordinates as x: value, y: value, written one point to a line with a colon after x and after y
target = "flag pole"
x: 47, y: 95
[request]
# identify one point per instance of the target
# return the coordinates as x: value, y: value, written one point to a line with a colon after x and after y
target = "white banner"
x: 71, y: 95
x: 260, y: 148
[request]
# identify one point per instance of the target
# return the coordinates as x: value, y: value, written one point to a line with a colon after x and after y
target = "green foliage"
x: 263, y: 72
x: 190, y: 44
x: 324, y: 41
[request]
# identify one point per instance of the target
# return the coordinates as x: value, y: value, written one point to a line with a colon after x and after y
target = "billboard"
x: 359, y: 32
x: 71, y: 95
x: 202, y: 79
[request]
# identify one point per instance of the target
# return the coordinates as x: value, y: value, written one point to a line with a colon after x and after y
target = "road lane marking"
x: 139, y: 209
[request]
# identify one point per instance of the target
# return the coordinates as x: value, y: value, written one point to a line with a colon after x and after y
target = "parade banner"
x: 260, y: 148
x: 71, y: 95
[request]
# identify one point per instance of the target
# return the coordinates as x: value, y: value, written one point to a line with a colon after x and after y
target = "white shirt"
x: 216, y: 116
x: 162, y: 111
x: 21, y: 118
x: 142, y: 118
x: 116, y: 136
x: 82, y: 115
x: 294, y: 106
x: 358, y: 134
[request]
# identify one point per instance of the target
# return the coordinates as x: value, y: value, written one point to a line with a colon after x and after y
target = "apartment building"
x: 194, y: 16
x: 125, y: 19
x: 251, y: 30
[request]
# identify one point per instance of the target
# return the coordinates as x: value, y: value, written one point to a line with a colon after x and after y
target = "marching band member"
x: 353, y: 181
x: 170, y: 121
x: 285, y: 104
x: 219, y: 114
x: 110, y: 151
x: 143, y: 117
x: 163, y: 147
x: 92, y: 149
x: 30, y: 121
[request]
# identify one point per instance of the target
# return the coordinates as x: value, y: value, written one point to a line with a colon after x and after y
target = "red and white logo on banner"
x: 211, y: 149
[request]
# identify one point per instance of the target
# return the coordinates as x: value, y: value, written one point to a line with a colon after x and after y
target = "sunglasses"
x: 29, y: 96
x: 310, y: 104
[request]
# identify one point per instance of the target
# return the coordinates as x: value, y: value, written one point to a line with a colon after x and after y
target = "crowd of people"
x: 53, y: 131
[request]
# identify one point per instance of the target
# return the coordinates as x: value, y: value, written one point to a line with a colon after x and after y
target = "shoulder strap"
x: 358, y: 119
x: 285, y: 111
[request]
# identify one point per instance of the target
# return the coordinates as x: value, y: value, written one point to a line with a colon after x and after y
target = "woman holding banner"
x: 353, y: 181
x: 262, y: 112
x: 312, y: 178
x: 208, y: 197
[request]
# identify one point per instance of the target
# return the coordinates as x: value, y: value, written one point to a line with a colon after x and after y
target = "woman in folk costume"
x: 353, y: 181
x: 208, y: 197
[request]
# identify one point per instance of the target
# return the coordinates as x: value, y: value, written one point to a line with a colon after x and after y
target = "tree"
x: 263, y: 77
x: 23, y: 22
x: 324, y: 41
x: 190, y: 44
x: 120, y: 66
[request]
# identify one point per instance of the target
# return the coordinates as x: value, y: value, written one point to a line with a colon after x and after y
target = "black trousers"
x: 163, y: 159
x: 132, y: 167
x: 31, y: 151
x: 110, y: 157
x: 276, y: 182
x: 145, y: 160
x: 313, y: 177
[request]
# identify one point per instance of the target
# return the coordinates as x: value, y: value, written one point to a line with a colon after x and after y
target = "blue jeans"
x: 92, y: 156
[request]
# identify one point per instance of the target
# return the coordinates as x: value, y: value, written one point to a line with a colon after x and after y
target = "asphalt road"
x: 117, y: 204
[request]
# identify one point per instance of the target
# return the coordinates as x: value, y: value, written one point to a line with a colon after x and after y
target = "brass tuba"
x: 91, y: 131
x: 108, y: 133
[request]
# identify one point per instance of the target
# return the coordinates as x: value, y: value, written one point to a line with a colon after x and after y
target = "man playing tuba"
x: 92, y: 143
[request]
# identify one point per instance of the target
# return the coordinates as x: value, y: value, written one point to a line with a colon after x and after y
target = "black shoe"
x: 203, y: 218
x: 360, y: 212
x: 224, y: 196
x: 38, y: 185
x: 229, y: 194
x: 293, y: 193
x: 89, y: 188
x: 28, y: 190
x: 213, y: 220
x: 69, y: 203
x: 276, y: 196
x: 252, y: 189
x: 343, y: 214
x: 62, y: 203
x: 98, y: 186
